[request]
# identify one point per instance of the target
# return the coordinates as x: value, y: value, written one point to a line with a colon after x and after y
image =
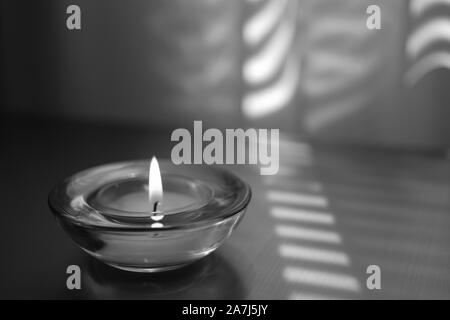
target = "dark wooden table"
x: 310, y: 232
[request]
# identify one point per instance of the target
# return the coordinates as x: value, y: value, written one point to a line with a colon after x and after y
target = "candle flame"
x: 155, y: 189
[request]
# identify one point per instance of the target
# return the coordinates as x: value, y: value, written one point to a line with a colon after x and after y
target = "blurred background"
x: 364, y: 114
x: 304, y: 66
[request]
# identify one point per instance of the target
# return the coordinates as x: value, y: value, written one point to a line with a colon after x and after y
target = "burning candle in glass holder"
x: 136, y: 217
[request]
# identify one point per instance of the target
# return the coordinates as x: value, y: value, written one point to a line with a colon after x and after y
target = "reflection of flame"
x: 155, y: 189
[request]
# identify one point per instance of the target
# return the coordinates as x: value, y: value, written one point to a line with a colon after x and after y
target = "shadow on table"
x: 210, y: 278
x: 339, y: 210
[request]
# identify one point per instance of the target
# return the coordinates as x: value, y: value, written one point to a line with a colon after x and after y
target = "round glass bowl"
x: 105, y: 211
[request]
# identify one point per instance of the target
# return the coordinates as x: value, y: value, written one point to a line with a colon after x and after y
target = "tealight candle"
x: 138, y: 201
x: 136, y: 217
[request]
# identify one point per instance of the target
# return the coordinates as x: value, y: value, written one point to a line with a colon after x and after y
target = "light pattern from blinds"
x: 424, y: 44
x: 270, y: 70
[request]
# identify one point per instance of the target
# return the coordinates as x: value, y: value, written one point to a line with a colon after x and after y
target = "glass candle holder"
x: 105, y: 210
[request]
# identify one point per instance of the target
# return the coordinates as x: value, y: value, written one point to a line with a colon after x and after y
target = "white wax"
x: 138, y: 201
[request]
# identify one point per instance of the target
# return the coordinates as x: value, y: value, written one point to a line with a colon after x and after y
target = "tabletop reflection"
x: 210, y: 278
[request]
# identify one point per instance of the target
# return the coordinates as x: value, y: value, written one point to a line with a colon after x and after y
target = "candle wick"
x: 155, y: 206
